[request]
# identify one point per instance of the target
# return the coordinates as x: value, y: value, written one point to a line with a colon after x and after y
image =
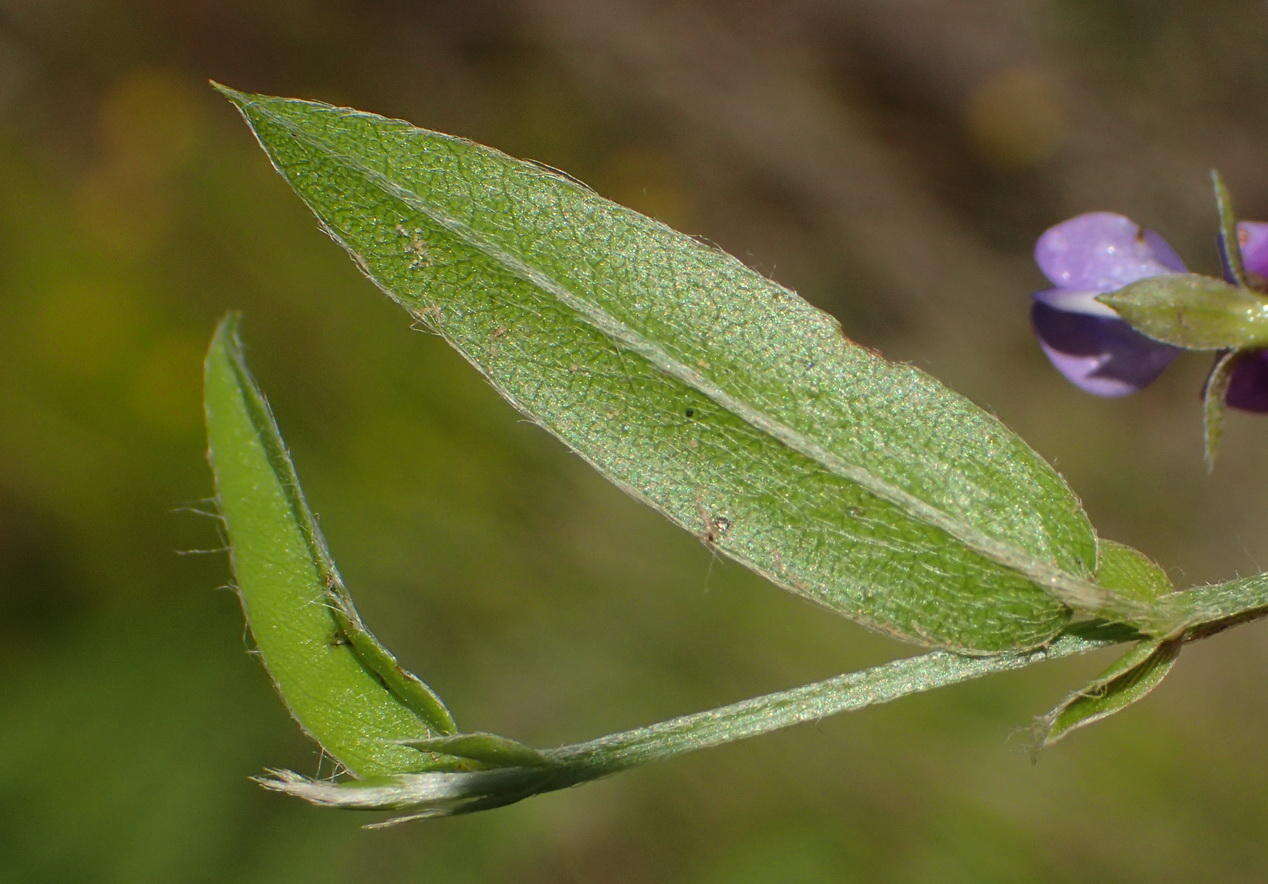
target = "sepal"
x: 1193, y: 311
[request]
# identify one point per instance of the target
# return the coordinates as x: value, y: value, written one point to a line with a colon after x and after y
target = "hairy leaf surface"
x: 720, y: 398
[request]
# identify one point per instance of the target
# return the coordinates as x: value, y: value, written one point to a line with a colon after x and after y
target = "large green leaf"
x: 718, y: 397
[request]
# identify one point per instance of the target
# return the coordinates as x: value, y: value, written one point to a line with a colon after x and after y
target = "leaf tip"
x: 229, y: 325
x: 243, y: 101
x: 1110, y: 299
x: 226, y: 340
x: 227, y: 91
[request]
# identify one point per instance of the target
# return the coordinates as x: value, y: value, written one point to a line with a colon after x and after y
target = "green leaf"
x: 1193, y: 311
x: 343, y: 688
x: 1230, y: 243
x: 489, y: 749
x: 1213, y: 404
x: 723, y: 400
x: 1128, y: 679
x: 1136, y: 673
x: 1201, y: 612
x: 1130, y: 572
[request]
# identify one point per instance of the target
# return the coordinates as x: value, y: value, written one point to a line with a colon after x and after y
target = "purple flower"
x: 1087, y: 256
x: 1088, y: 342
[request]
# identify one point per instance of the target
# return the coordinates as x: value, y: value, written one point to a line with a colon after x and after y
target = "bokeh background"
x: 893, y: 161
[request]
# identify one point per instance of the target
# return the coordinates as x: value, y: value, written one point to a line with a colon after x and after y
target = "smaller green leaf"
x: 1130, y: 572
x: 1230, y: 243
x: 1213, y: 405
x: 1127, y: 680
x: 1193, y: 311
x: 1136, y: 673
x: 489, y: 749
x: 1197, y: 613
x: 343, y: 688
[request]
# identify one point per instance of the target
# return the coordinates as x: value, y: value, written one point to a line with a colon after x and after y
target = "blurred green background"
x: 893, y: 161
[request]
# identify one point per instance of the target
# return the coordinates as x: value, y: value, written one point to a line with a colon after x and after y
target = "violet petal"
x: 1102, y: 251
x: 1163, y: 253
x: 1253, y: 237
x: 1099, y: 354
x: 1248, y: 386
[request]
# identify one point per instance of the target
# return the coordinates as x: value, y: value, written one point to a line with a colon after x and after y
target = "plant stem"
x: 842, y: 693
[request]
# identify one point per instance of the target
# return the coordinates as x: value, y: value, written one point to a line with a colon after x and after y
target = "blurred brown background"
x: 893, y: 161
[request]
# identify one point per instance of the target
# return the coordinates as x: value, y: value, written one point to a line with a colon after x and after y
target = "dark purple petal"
x: 1253, y: 237
x: 1102, y: 355
x: 1102, y: 251
x: 1248, y: 386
